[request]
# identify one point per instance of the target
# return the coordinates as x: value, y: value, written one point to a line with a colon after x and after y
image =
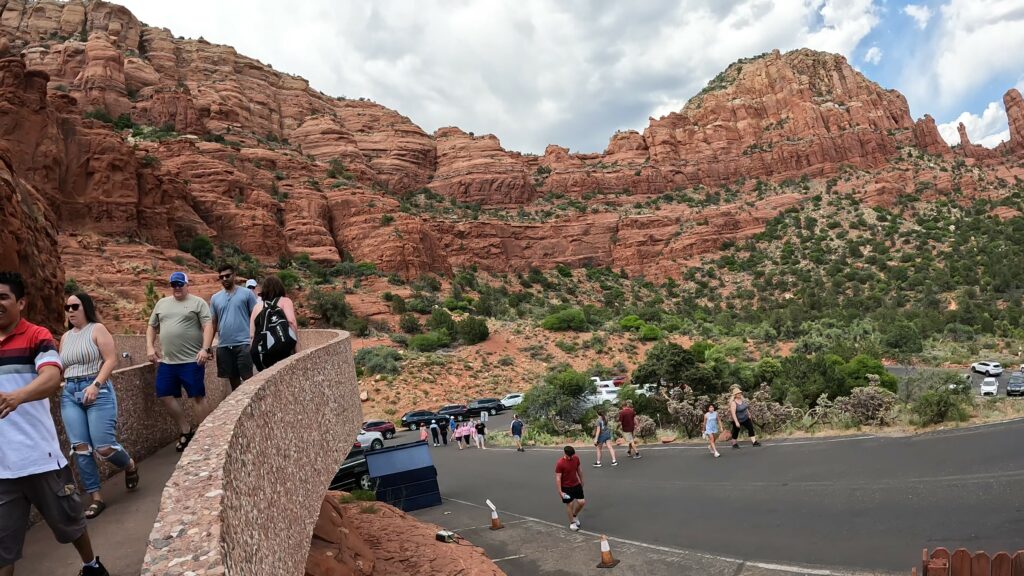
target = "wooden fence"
x: 963, y: 563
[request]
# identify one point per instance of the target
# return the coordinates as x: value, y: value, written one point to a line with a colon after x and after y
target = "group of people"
x: 253, y: 325
x: 472, y: 432
x: 568, y: 473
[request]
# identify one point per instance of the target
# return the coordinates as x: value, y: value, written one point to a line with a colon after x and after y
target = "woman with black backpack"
x: 272, y: 326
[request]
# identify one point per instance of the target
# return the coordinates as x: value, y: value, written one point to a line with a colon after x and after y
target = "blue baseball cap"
x: 179, y: 277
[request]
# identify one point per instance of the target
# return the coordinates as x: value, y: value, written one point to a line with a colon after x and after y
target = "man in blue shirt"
x: 517, y: 432
x: 231, y: 309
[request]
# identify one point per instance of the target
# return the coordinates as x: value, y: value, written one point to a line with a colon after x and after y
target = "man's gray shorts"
x: 54, y: 494
x: 234, y: 362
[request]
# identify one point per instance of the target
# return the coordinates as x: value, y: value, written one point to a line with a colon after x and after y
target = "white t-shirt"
x: 28, y: 437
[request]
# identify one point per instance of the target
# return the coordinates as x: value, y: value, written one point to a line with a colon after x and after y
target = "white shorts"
x: 627, y: 436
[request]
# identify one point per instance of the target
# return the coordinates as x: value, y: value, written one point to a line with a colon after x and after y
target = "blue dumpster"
x: 405, y: 476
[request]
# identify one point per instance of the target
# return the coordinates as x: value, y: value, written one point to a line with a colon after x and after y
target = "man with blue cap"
x: 185, y: 327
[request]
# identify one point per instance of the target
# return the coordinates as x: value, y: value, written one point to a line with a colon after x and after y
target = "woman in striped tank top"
x: 88, y: 405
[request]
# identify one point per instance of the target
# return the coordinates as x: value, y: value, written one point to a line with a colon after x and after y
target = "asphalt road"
x: 864, y: 503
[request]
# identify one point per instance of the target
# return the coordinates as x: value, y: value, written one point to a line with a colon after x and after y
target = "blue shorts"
x: 171, y: 378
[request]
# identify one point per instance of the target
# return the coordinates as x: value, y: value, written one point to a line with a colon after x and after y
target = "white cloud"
x: 988, y: 130
x: 920, y: 13
x: 532, y: 72
x: 873, y: 55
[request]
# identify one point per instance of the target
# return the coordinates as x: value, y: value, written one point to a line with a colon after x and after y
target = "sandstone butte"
x: 261, y: 160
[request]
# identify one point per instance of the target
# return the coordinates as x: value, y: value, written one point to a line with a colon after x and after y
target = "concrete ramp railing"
x: 246, y: 493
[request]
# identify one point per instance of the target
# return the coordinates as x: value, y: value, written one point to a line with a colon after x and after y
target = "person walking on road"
x: 443, y: 426
x: 230, y: 310
x: 88, y: 405
x: 739, y: 409
x: 33, y: 470
x: 517, y: 432
x: 569, y: 481
x: 434, y: 433
x: 481, y: 434
x: 423, y: 432
x: 627, y: 422
x: 460, y: 433
x: 185, y: 327
x: 711, y: 428
x: 602, y: 439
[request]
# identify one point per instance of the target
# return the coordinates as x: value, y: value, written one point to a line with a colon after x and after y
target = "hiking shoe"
x: 597, y: 464
x: 97, y: 570
x: 756, y: 444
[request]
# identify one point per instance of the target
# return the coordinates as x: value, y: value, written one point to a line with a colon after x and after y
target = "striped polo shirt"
x: 28, y: 438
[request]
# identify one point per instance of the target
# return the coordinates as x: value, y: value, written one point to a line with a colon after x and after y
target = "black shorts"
x: 574, y: 493
x: 52, y: 493
x: 234, y: 362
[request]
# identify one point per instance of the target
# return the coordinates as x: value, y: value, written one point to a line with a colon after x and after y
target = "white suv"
x: 989, y: 387
x: 987, y: 368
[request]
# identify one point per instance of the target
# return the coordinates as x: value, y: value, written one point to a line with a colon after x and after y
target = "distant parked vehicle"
x: 987, y: 368
x: 370, y: 440
x: 412, y: 420
x: 460, y: 411
x: 601, y: 396
x: 989, y: 387
x: 353, y: 474
x: 602, y: 383
x: 619, y: 380
x: 383, y: 426
x: 1015, y: 387
x: 491, y: 405
x: 647, y: 390
x: 513, y: 399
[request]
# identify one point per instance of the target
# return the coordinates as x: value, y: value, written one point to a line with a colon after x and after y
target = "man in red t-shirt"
x: 569, y: 481
x: 627, y: 421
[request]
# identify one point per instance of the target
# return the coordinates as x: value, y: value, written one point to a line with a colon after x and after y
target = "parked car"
x: 370, y: 440
x: 602, y: 383
x: 458, y: 410
x: 412, y: 420
x: 383, y: 426
x: 987, y: 368
x: 619, y: 380
x: 603, y: 395
x: 491, y: 405
x: 989, y: 387
x: 647, y: 390
x: 1015, y: 387
x: 353, y: 474
x: 513, y: 399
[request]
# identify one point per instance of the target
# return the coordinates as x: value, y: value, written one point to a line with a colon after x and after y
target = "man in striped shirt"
x: 33, y: 471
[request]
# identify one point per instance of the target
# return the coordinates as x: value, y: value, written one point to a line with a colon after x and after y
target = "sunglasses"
x: 177, y: 284
x: 225, y: 276
x: 71, y: 307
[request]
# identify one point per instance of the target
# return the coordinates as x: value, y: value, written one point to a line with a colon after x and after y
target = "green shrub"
x: 332, y: 308
x: 71, y: 286
x: 440, y: 319
x: 358, y: 326
x: 649, y: 332
x: 290, y: 279
x: 409, y: 324
x: 567, y: 346
x: 379, y: 360
x: 555, y: 406
x: 99, y: 114
x: 940, y: 404
x: 569, y: 319
x: 631, y: 322
x: 430, y: 341
x: 472, y: 330
x: 200, y: 247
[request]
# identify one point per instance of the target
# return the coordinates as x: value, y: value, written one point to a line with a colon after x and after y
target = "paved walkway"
x: 119, y: 535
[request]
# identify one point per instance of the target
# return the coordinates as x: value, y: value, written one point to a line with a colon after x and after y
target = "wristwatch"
x: 97, y: 383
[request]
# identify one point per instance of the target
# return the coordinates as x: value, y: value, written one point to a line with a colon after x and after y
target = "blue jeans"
x: 90, y: 428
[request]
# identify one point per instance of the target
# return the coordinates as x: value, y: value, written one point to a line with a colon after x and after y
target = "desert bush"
x: 870, y: 404
x: 290, y: 279
x: 649, y: 332
x: 569, y: 319
x: 409, y: 324
x: 688, y: 410
x: 331, y: 307
x: 940, y: 404
x: 645, y: 427
x: 431, y: 341
x: 441, y: 319
x: 770, y: 416
x: 358, y: 326
x: 379, y: 360
x: 472, y: 330
x: 555, y: 406
x: 201, y: 247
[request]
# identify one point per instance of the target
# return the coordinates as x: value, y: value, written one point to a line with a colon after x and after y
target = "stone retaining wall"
x: 248, y: 490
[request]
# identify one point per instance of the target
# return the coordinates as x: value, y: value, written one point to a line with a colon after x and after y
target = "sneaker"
x: 757, y: 444
x: 637, y: 455
x: 735, y: 446
x: 579, y: 525
x: 717, y: 455
x: 97, y: 570
x: 597, y: 464
x: 615, y: 462
x: 574, y: 527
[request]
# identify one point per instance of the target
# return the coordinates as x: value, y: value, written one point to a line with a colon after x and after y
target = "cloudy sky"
x: 572, y: 72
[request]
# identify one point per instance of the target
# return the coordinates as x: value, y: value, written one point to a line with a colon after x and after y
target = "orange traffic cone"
x: 495, y: 521
x: 606, y: 555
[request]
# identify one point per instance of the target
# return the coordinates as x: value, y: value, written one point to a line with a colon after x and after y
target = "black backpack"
x: 274, y: 339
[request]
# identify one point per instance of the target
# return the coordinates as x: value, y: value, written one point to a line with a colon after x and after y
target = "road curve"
x: 861, y: 502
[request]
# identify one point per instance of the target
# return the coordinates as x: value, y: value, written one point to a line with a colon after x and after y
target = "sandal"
x: 131, y: 478
x: 95, y: 509
x: 183, y: 440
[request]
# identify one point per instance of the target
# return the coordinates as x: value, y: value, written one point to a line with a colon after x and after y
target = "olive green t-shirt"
x: 181, y: 327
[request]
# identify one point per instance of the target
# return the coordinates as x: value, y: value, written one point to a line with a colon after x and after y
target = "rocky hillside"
x: 139, y: 142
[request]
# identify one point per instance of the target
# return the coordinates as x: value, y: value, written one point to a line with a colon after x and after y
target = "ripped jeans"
x: 91, y: 428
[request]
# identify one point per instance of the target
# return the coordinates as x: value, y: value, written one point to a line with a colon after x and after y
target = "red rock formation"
x: 478, y: 170
x: 972, y: 150
x: 28, y: 244
x: 1014, y: 105
x: 927, y: 137
x: 359, y: 539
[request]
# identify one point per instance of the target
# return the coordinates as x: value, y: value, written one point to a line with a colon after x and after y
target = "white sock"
x: 93, y: 564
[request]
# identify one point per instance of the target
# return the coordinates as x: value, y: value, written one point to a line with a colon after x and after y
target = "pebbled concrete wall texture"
x: 247, y: 492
